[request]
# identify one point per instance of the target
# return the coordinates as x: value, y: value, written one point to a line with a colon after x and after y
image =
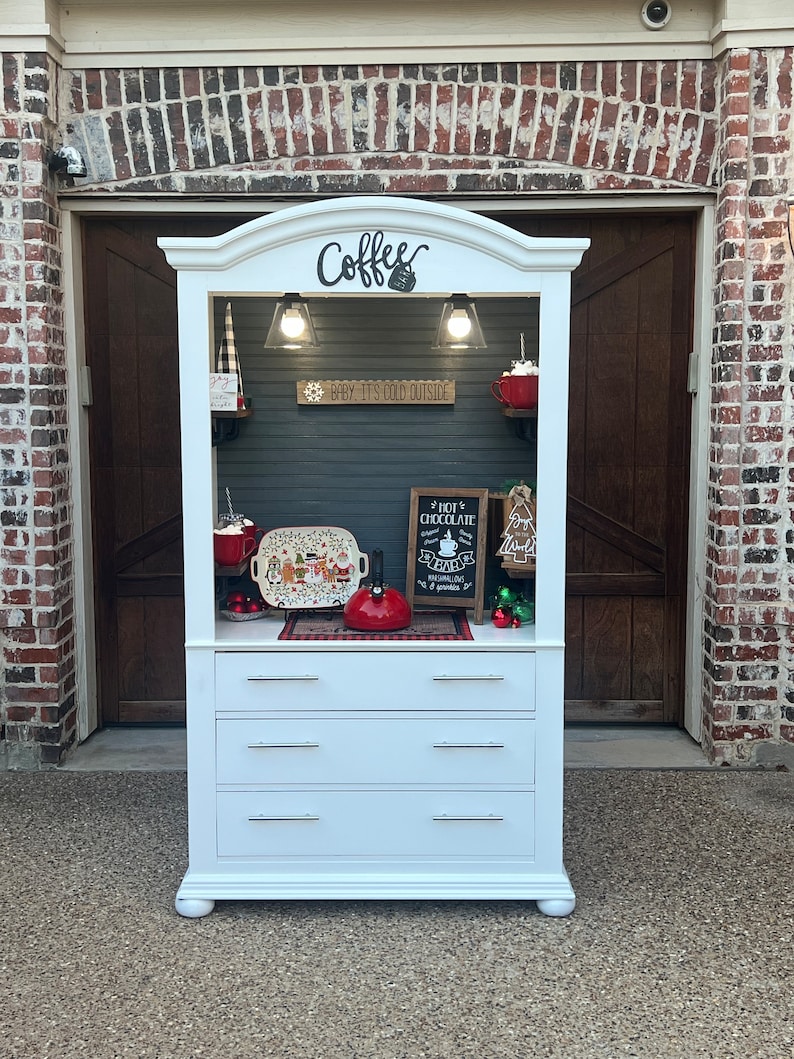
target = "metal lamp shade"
x: 292, y: 326
x: 458, y: 310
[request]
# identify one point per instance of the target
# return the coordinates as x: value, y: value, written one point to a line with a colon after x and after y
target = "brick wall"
x: 523, y: 127
x: 432, y: 129
x: 37, y: 694
x: 748, y: 699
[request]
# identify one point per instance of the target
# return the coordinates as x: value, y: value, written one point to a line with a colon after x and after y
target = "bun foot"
x: 557, y: 906
x: 193, y: 907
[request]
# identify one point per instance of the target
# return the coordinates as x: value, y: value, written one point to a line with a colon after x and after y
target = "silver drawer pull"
x: 287, y: 676
x: 468, y: 746
x: 281, y: 746
x: 472, y: 676
x: 489, y: 819
x: 275, y: 819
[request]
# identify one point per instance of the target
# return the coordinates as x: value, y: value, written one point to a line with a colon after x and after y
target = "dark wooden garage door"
x: 131, y: 350
x: 629, y: 437
x: 629, y: 482
x: 629, y: 445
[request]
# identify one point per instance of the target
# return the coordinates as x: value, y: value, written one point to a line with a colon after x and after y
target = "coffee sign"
x: 446, y: 548
x: 374, y: 262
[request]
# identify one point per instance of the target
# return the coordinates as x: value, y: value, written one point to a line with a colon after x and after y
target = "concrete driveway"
x: 682, y: 943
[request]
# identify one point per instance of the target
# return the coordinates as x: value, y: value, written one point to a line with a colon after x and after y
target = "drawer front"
x: 365, y: 680
x: 379, y: 823
x: 451, y: 751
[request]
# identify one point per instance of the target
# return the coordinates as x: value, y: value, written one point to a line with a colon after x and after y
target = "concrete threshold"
x: 163, y: 749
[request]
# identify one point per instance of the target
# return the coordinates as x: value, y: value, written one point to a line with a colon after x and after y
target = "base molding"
x: 553, y: 892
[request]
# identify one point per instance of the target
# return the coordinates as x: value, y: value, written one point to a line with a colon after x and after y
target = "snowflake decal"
x: 313, y: 391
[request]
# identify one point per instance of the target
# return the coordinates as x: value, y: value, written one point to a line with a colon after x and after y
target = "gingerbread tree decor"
x: 519, y: 536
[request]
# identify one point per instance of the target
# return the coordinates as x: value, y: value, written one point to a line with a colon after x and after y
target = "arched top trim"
x: 342, y: 222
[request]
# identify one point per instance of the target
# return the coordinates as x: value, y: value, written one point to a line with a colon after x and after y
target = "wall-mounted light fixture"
x: 67, y: 161
x: 459, y: 327
x: 292, y: 326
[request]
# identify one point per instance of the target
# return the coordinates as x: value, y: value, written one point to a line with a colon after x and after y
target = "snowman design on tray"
x: 306, y: 566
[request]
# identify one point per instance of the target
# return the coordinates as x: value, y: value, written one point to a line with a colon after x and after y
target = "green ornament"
x: 524, y: 610
x: 505, y: 596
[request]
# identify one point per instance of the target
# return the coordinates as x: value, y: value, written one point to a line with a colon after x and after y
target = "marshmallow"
x: 524, y: 367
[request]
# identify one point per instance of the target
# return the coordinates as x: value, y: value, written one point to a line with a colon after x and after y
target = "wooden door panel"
x: 151, y: 686
x: 158, y: 380
x: 132, y: 651
x: 157, y: 484
x: 122, y: 421
x: 606, y: 662
x: 574, y: 647
x: 655, y: 294
x: 628, y: 452
x: 131, y: 348
x: 610, y: 408
x: 628, y: 465
x: 134, y: 488
x: 162, y: 615
x: 609, y: 490
x: 128, y: 517
x: 615, y: 303
x: 650, y: 518
x: 647, y: 677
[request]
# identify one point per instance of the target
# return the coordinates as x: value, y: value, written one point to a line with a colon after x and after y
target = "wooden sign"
x: 447, y: 535
x: 375, y: 391
x: 519, y: 536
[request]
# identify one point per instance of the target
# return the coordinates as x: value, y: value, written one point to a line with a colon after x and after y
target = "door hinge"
x: 693, y: 371
x: 86, y: 390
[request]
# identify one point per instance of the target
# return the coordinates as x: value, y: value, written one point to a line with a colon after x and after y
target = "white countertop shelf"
x: 262, y: 633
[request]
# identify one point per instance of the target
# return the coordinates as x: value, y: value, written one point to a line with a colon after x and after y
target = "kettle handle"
x: 377, y: 573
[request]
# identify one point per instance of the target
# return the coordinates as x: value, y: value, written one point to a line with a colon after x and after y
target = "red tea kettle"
x: 377, y: 607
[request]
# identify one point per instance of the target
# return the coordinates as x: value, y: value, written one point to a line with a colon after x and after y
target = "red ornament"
x: 501, y: 617
x: 516, y: 623
x: 237, y: 606
x: 236, y: 597
x: 253, y: 606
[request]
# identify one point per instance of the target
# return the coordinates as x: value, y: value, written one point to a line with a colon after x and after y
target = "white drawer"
x: 376, y: 823
x: 400, y: 680
x: 445, y: 750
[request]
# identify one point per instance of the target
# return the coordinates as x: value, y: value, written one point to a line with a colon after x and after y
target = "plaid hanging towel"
x: 228, y: 362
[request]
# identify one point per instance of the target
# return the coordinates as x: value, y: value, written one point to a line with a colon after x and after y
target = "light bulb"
x: 459, y: 323
x: 292, y: 323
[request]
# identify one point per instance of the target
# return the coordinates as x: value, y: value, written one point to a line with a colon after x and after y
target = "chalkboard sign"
x: 446, y: 548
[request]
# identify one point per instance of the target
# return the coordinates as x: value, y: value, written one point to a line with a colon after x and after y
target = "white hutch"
x: 302, y: 781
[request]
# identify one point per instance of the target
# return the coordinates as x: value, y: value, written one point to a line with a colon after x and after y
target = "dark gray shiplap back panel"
x: 297, y: 465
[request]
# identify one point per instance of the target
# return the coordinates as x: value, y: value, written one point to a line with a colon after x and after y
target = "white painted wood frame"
x: 452, y: 251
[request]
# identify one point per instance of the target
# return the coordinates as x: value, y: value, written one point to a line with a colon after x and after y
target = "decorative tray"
x: 304, y: 567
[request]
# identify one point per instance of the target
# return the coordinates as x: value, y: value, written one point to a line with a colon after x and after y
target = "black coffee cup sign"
x: 373, y: 262
x: 447, y: 548
x: 403, y: 278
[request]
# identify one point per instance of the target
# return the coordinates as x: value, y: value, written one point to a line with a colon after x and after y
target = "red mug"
x: 253, y: 535
x: 518, y: 391
x: 230, y: 549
